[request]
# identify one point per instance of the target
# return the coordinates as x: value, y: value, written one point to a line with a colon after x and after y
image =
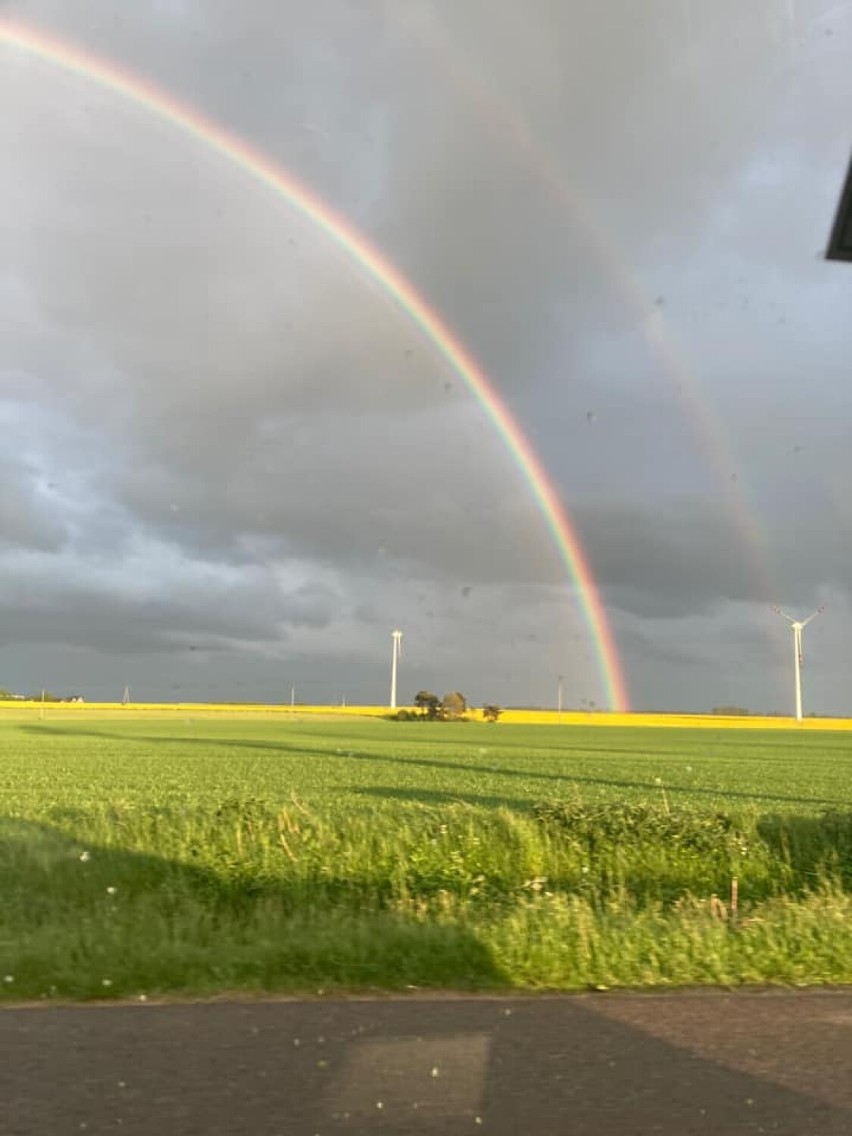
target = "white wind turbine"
x: 798, y: 626
x: 397, y: 652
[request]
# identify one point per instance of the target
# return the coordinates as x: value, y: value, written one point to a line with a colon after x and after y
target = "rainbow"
x: 703, y: 422
x: 262, y: 169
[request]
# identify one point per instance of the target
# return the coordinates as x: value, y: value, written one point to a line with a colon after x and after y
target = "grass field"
x: 151, y: 852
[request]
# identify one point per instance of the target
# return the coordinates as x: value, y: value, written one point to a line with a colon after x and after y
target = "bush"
x: 609, y: 824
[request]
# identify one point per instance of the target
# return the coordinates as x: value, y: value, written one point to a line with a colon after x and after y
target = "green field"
x: 144, y: 855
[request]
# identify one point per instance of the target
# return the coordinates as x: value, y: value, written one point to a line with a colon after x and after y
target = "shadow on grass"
x: 563, y: 779
x: 80, y: 910
x: 436, y: 797
x: 814, y: 847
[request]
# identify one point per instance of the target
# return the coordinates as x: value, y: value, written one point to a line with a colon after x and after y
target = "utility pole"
x: 559, y: 697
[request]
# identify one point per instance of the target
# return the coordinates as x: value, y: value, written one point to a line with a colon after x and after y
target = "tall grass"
x: 243, y: 896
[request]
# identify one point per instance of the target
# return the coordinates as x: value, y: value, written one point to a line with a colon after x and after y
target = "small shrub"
x: 613, y: 824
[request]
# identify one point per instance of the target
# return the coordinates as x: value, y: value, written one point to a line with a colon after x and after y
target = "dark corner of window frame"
x: 840, y: 244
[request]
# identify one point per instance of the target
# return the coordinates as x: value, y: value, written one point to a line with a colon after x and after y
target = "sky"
x: 232, y: 463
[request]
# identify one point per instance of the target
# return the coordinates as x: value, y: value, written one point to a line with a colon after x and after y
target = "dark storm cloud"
x: 669, y: 559
x: 199, y: 377
x: 195, y: 611
x: 689, y: 556
x: 26, y: 520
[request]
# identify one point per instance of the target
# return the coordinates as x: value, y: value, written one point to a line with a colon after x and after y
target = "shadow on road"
x: 674, y: 1065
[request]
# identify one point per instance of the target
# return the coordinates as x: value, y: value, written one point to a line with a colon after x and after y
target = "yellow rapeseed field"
x: 510, y: 717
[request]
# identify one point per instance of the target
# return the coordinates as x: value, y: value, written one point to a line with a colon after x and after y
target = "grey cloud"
x: 668, y: 559
x: 27, y: 519
x: 688, y: 555
x: 24, y: 522
x: 193, y: 365
x: 195, y: 611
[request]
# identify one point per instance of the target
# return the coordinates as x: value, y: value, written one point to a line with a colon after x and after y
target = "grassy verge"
x: 132, y: 899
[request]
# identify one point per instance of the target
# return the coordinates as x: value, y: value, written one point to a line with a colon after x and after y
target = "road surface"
x: 674, y: 1064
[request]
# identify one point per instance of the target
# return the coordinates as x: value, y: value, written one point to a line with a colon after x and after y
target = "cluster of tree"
x: 39, y: 696
x: 451, y: 708
x: 731, y: 711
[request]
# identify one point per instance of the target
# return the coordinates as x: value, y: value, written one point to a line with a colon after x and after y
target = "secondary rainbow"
x: 75, y: 60
x: 462, y: 69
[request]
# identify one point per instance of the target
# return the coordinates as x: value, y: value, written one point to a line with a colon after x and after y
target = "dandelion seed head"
x: 84, y: 856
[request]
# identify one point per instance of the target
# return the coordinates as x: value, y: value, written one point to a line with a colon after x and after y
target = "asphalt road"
x: 600, y: 1065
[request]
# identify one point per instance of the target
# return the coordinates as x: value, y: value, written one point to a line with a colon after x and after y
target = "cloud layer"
x: 228, y: 448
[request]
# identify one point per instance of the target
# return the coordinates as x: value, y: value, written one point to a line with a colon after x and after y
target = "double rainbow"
x: 261, y: 168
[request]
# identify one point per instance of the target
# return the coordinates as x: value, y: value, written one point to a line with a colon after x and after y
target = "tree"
x: 491, y: 713
x: 427, y: 703
x: 453, y: 706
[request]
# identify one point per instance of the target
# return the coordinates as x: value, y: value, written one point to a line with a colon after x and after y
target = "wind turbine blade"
x: 778, y: 611
x: 818, y: 611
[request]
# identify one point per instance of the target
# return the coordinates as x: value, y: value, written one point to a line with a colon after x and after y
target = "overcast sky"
x: 230, y: 463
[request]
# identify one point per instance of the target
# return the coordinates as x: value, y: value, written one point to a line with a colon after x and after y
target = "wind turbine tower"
x: 798, y: 627
x: 396, y: 636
